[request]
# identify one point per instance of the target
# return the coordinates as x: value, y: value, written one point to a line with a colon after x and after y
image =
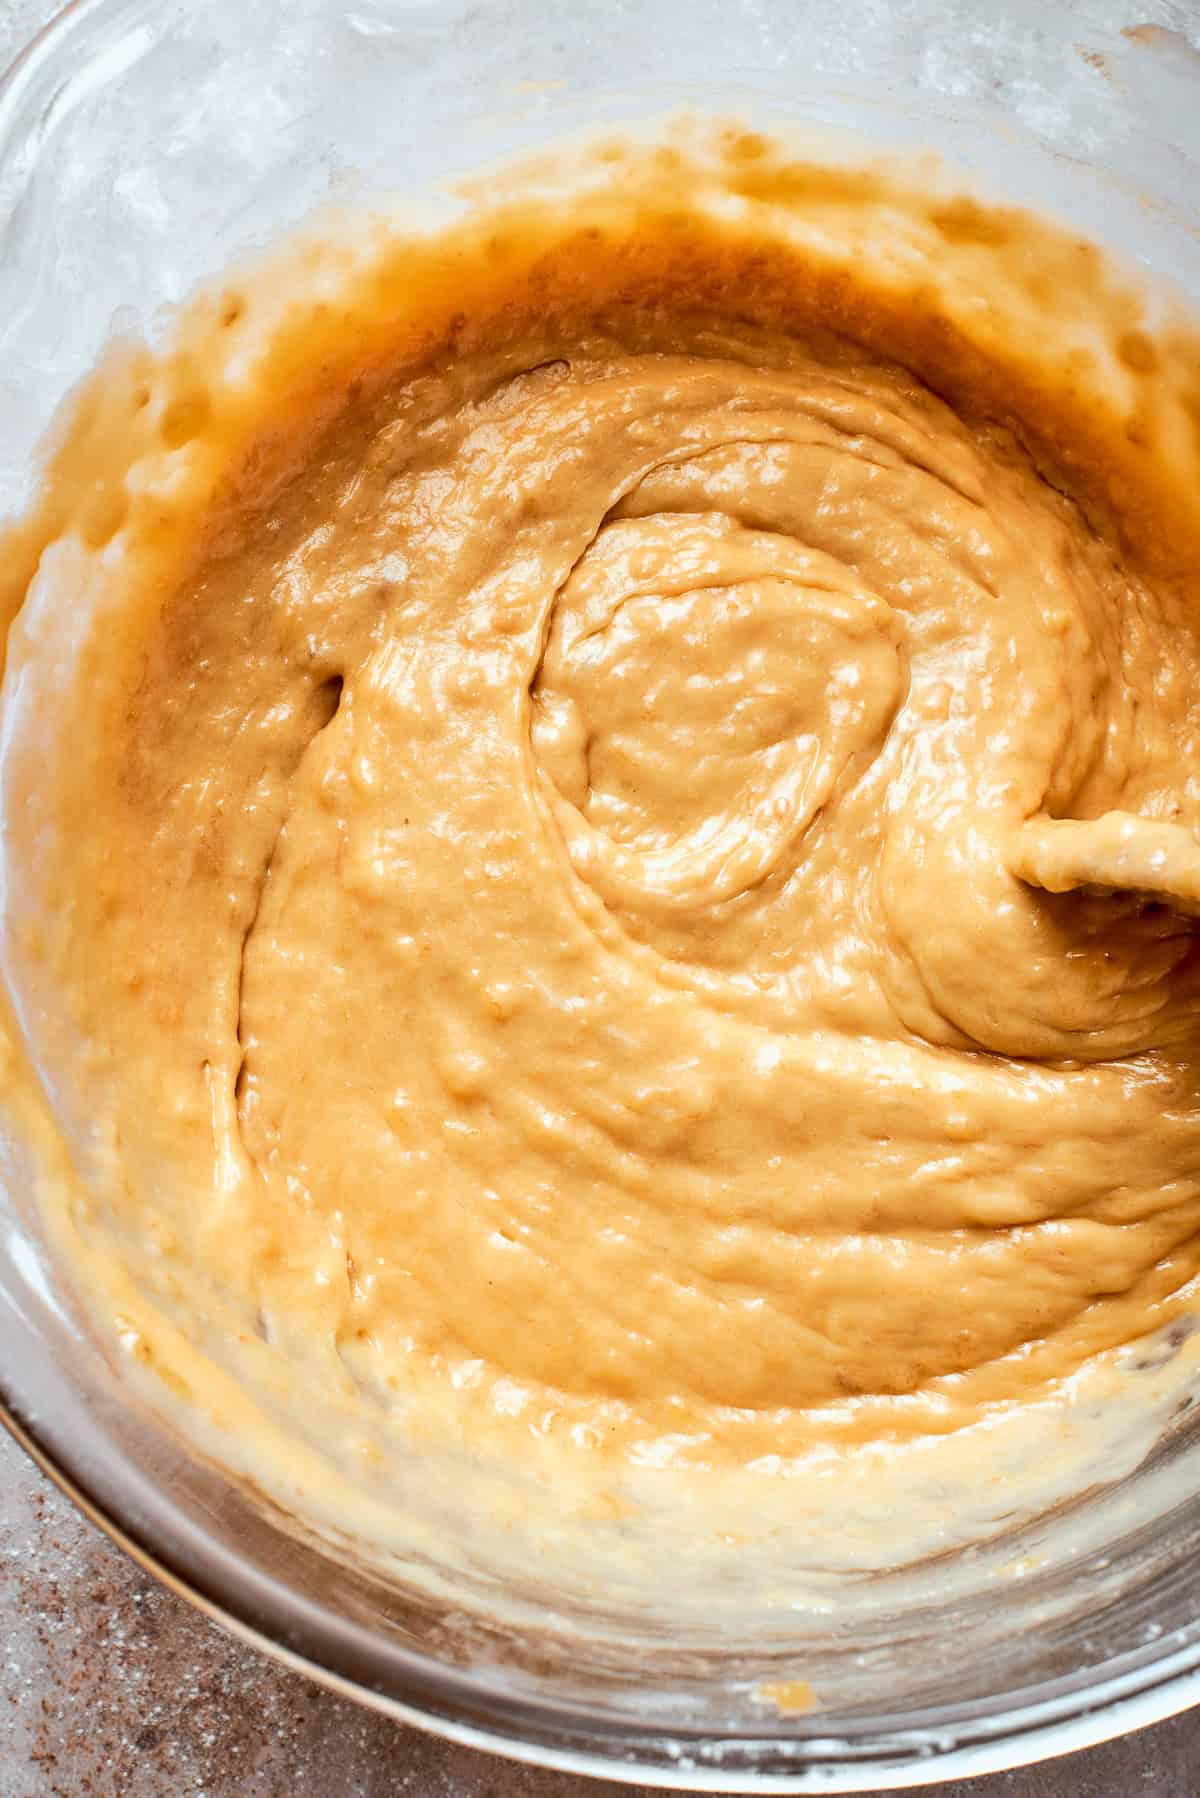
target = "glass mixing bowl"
x: 143, y: 145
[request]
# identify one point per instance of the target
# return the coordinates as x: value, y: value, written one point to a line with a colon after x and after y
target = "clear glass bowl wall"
x: 144, y: 145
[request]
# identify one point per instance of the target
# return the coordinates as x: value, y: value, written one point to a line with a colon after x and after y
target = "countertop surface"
x: 110, y: 1687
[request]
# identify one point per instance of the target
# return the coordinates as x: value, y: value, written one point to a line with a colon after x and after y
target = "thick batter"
x: 615, y: 867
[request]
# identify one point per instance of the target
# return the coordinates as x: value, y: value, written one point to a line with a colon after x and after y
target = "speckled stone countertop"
x: 111, y: 1687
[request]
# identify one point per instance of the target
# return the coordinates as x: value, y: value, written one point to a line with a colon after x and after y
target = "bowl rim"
x: 1030, y: 1734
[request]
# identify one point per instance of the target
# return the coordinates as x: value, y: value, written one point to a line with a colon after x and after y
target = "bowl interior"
x: 141, y: 148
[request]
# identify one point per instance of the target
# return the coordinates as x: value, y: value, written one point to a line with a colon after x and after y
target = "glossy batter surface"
x: 639, y: 889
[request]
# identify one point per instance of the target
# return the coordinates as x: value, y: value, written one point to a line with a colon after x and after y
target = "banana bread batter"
x: 605, y: 854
